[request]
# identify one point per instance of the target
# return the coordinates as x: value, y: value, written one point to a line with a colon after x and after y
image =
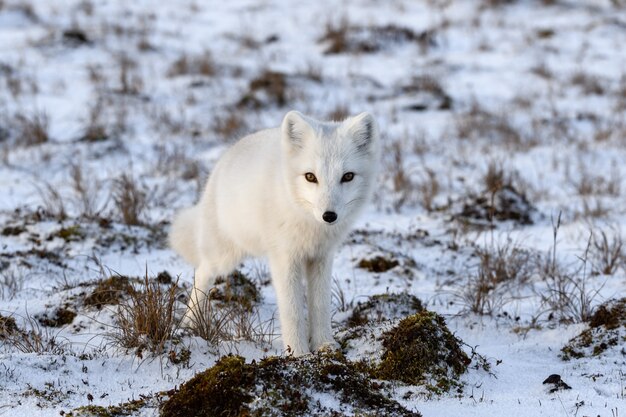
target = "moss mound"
x: 279, y: 386
x: 420, y: 350
x: 384, y: 307
x: 222, y: 390
x: 109, y: 291
x: 607, y: 331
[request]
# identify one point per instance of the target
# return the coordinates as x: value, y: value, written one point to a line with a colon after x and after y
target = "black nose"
x: 329, y: 216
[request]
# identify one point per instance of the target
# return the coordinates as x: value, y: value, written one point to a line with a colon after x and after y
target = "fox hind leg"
x: 213, y: 264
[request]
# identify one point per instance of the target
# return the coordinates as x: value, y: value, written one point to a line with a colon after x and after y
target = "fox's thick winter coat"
x: 289, y: 194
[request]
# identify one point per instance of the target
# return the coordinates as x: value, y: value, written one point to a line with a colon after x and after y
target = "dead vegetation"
x: 500, y: 200
x: 36, y: 339
x: 202, y: 64
x: 504, y: 268
x: 607, y: 251
x: 270, y: 88
x: 344, y: 37
x: 479, y: 125
x: 229, y: 312
x: 568, y: 294
x: 146, y: 319
x: 427, y: 93
x: 109, y: 291
x: 130, y: 199
x: 33, y: 129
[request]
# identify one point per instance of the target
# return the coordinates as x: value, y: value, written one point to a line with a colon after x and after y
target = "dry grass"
x: 146, y: 320
x: 217, y: 321
x: 270, y: 88
x: 504, y: 268
x: 202, y: 64
x: 230, y: 126
x: 130, y: 199
x: 11, y: 282
x: 589, y: 84
x: 33, y: 129
x: 402, y: 184
x: 588, y: 183
x: 607, y: 251
x: 95, y: 130
x: 52, y: 201
x: 428, y: 189
x: 89, y: 201
x: 344, y: 37
x: 130, y: 81
x: 568, y: 295
x: 36, y: 340
x: 481, y: 125
x: 173, y: 160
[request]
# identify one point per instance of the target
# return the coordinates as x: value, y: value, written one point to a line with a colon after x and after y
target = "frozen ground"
x: 498, y: 118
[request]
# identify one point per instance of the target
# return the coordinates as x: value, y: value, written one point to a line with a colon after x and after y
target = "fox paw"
x: 327, y: 346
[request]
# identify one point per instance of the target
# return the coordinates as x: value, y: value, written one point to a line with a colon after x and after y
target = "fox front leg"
x: 287, y: 279
x: 319, y: 272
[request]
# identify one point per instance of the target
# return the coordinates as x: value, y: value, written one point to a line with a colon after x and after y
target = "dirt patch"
x: 278, y: 386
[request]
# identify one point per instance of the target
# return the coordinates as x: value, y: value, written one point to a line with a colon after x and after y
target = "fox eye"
x: 347, y: 177
x: 310, y: 177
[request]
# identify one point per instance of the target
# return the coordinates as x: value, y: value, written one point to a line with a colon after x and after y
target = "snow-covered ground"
x: 520, y: 103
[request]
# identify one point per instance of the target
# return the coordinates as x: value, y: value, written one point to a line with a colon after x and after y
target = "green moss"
x: 109, y: 291
x: 223, y: 390
x: 69, y: 234
x: 420, y: 350
x: 281, y: 386
x: 378, y: 264
x: 125, y: 409
x: 60, y: 317
x: 607, y: 328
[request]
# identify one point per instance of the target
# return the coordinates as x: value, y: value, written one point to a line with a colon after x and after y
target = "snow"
x: 516, y: 61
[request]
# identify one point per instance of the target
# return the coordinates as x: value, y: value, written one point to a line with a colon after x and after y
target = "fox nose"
x: 329, y: 216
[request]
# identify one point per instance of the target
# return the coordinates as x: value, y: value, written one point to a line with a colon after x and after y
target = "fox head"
x: 329, y: 166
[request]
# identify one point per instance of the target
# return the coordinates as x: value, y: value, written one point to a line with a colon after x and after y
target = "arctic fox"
x: 290, y: 194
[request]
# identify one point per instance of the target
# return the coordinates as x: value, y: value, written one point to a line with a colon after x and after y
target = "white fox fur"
x: 259, y: 202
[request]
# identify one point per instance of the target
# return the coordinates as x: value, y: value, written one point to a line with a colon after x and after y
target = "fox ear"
x: 295, y: 128
x: 362, y: 129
